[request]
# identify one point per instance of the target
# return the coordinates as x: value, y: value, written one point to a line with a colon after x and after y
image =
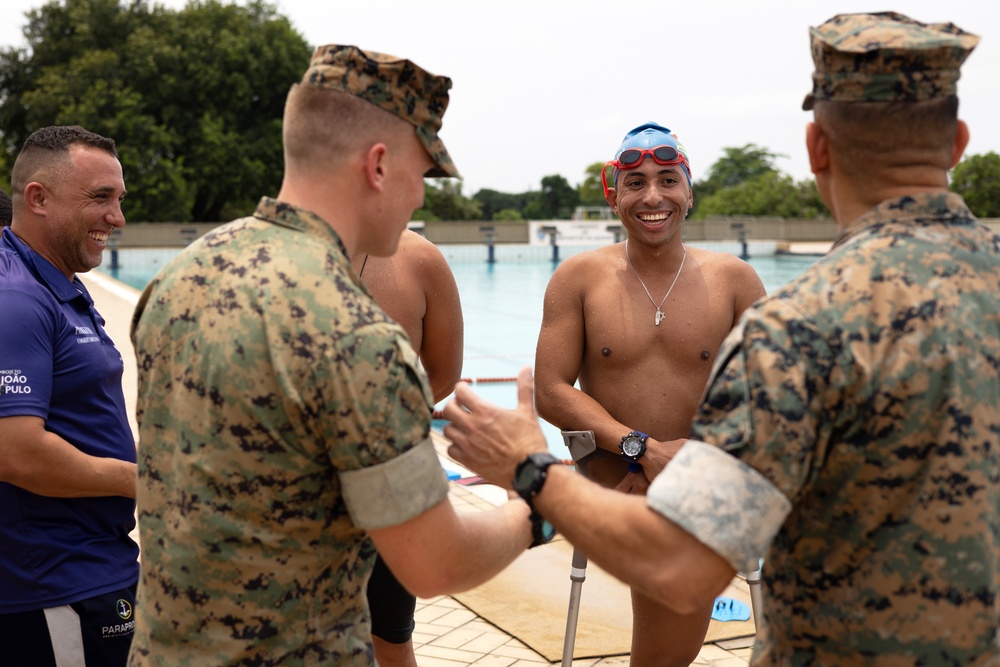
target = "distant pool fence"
x: 534, y: 232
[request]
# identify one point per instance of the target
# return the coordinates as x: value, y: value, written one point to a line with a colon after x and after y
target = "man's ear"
x: 35, y: 195
x: 818, y: 148
x: 611, y: 196
x: 375, y: 166
x: 961, y: 141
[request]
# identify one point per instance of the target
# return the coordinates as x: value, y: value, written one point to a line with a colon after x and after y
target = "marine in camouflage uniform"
x: 282, y: 416
x: 270, y: 383
x: 866, y: 393
x: 862, y: 405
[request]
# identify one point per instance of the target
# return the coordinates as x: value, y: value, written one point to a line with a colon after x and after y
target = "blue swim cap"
x: 651, y: 135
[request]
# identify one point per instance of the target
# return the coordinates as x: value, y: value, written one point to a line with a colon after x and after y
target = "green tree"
x: 492, y: 201
x: 737, y: 165
x: 446, y: 202
x: 767, y: 194
x: 5, y: 169
x: 977, y: 179
x: 194, y: 98
x: 535, y: 208
x: 555, y: 201
x: 591, y: 191
x: 508, y: 215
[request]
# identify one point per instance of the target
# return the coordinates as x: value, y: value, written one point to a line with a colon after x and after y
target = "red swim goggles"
x: 665, y: 154
x: 633, y: 157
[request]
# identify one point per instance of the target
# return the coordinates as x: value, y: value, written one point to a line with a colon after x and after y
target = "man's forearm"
x: 47, y: 465
x: 493, y: 539
x: 569, y: 408
x: 441, y: 552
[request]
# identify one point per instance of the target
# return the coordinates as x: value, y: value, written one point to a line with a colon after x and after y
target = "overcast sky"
x: 550, y: 86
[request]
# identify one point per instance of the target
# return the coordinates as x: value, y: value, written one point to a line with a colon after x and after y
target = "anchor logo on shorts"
x: 124, y: 609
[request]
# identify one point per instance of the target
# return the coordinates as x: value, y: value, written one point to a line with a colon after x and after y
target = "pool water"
x: 501, y: 305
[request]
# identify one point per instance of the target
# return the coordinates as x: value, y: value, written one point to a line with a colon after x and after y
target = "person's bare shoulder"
x: 725, y: 265
x: 415, y: 243
x: 582, y: 269
x: 729, y: 275
x: 423, y: 260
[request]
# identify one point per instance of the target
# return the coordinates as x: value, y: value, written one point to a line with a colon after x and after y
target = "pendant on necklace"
x: 659, y: 313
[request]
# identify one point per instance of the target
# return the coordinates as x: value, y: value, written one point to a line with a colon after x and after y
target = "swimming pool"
x: 501, y: 304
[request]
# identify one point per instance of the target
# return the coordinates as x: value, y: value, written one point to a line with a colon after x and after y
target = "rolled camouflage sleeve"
x: 730, y: 507
x: 395, y: 491
x: 381, y: 448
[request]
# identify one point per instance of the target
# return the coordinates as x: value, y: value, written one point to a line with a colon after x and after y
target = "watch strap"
x: 542, y: 531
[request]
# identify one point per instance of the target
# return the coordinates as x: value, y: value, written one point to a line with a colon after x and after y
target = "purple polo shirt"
x: 57, y: 362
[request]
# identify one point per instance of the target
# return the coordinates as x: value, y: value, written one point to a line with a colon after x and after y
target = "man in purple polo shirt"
x: 68, y: 568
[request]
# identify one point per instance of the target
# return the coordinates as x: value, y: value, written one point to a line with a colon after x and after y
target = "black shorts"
x: 391, y: 605
x: 96, y: 632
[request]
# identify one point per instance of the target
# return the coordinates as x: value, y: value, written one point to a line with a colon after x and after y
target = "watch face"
x: 525, y: 475
x: 530, y: 474
x: 631, y: 447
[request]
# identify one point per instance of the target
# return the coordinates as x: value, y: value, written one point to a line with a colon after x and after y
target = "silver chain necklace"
x: 659, y: 313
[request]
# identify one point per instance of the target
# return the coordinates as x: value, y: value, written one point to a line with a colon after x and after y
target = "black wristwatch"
x: 632, y: 447
x: 529, y: 477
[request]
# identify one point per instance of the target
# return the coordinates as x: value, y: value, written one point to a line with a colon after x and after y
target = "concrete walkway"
x: 447, y: 634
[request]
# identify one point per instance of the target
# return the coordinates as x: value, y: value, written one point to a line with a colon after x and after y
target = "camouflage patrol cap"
x: 886, y: 57
x: 394, y: 84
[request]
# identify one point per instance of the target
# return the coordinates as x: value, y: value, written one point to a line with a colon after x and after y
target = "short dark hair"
x: 873, y: 135
x: 61, y: 137
x: 47, y: 143
x: 6, y: 209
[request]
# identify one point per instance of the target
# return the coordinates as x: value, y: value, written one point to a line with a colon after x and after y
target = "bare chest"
x: 625, y: 329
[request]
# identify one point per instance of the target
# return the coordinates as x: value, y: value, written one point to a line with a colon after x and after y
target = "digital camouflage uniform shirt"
x: 862, y: 405
x: 281, y: 414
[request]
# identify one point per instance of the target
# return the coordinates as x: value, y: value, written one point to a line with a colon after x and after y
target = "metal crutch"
x: 581, y: 445
x: 756, y: 600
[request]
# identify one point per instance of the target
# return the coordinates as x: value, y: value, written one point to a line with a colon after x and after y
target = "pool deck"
x: 805, y: 247
x: 447, y: 633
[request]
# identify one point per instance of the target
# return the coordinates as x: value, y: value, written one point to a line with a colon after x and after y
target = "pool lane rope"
x: 487, y: 380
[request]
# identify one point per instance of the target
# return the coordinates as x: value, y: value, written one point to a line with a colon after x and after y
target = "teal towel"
x: 728, y: 609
